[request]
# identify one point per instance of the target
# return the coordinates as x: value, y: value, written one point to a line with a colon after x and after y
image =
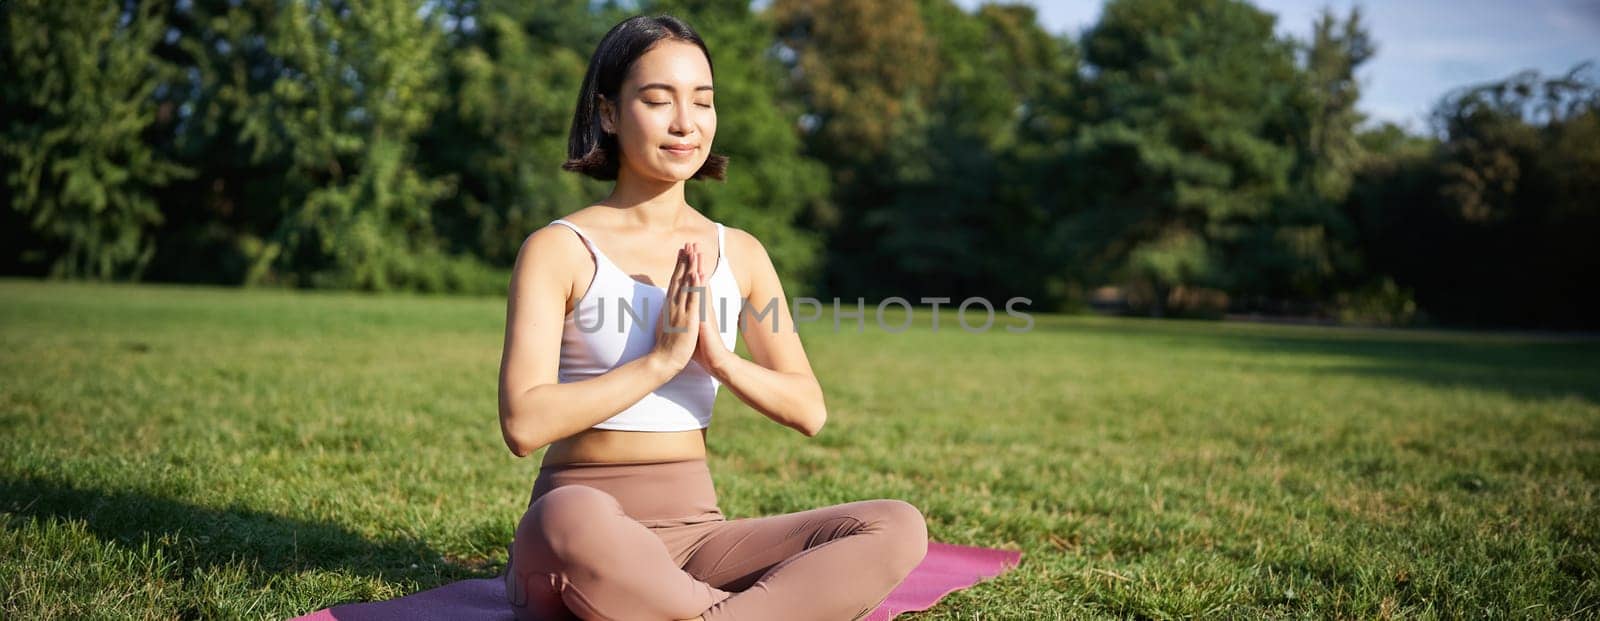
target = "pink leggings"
x: 647, y: 541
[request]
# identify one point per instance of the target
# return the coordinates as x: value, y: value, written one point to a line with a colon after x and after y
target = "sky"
x: 1425, y: 48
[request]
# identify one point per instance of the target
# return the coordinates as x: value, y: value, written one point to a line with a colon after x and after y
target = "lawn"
x: 200, y: 452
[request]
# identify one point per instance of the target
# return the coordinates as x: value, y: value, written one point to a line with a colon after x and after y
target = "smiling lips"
x: 680, y: 149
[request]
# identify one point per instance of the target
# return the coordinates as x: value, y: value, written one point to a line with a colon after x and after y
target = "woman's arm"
x: 535, y: 409
x: 777, y: 381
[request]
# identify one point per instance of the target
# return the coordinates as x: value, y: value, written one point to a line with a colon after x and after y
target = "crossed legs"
x: 836, y: 562
x: 577, y: 554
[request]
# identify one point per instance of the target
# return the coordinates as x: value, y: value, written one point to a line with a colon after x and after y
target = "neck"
x: 650, y: 204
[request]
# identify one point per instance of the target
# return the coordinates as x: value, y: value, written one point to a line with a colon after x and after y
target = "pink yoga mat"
x: 946, y: 569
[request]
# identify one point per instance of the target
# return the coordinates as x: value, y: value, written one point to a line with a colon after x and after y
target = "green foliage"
x: 357, y: 85
x: 1384, y: 303
x: 1306, y: 248
x: 904, y: 148
x: 1506, y: 197
x: 771, y: 187
x: 862, y: 67
x: 1185, y: 150
x: 502, y: 131
x: 860, y: 74
x: 328, y: 160
x: 77, y: 80
x: 924, y: 137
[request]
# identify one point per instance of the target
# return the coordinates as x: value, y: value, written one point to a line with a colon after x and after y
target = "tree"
x: 772, y: 186
x: 860, y: 65
x: 1516, y: 200
x: 1185, y: 145
x: 863, y: 72
x: 511, y: 80
x: 312, y: 110
x: 1306, y: 248
x: 78, y: 85
x: 961, y: 220
x: 1491, y: 220
x: 924, y: 134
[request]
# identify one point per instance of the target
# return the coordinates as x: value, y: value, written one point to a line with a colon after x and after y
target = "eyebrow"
x: 703, y: 87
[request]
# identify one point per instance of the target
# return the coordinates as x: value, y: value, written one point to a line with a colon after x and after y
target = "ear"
x: 607, y: 123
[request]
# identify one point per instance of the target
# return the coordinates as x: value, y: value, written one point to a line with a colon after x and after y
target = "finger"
x: 680, y: 273
x: 696, y: 294
x: 678, y: 267
x: 692, y: 293
x: 669, y: 312
x: 696, y: 266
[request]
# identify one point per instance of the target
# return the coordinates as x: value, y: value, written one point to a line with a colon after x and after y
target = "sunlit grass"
x: 197, y: 452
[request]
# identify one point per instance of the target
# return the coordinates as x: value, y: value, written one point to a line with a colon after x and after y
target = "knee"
x: 566, y: 517
x: 907, y: 530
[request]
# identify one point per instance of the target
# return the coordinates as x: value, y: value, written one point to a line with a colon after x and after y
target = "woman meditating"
x: 620, y: 329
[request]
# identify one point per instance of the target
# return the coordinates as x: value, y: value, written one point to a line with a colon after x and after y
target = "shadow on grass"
x: 1521, y: 370
x: 1524, y: 368
x: 202, y: 537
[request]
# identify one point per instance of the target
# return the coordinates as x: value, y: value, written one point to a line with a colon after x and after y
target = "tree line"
x: 1180, y: 150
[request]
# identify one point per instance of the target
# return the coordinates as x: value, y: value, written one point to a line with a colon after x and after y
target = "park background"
x: 1190, y: 156
x: 207, y: 412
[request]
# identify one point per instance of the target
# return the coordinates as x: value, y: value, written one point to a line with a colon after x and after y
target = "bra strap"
x: 722, y: 248
x: 581, y: 235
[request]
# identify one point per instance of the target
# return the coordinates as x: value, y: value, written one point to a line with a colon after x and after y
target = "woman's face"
x: 664, y: 117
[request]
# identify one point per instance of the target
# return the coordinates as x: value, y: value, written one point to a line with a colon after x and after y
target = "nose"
x: 682, y: 120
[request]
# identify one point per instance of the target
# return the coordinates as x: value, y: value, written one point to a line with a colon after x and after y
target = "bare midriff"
x: 614, y: 446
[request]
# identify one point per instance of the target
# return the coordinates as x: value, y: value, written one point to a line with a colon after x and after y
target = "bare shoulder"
x: 748, y: 258
x: 549, y: 260
x: 549, y: 246
x: 742, y: 243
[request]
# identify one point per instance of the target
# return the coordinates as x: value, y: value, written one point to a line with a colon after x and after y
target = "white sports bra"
x: 615, y: 322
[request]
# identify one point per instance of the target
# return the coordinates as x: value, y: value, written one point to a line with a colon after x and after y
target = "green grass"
x: 203, y: 453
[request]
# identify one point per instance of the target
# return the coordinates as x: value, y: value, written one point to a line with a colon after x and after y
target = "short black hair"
x: 592, y: 151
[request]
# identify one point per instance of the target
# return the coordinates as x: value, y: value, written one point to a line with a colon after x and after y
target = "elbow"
x: 513, y: 440
x: 813, y: 424
x: 520, y: 446
x: 816, y: 416
x: 517, y: 437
